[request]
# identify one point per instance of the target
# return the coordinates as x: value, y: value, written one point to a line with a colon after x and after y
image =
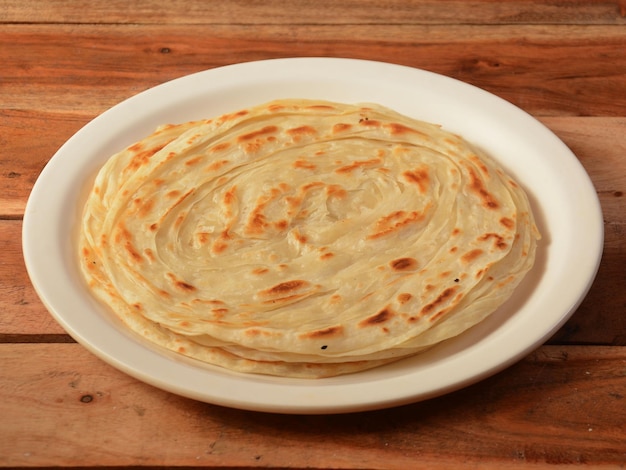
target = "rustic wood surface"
x: 64, y: 62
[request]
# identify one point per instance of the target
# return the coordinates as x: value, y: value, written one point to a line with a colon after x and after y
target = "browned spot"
x: 404, y: 297
x: 476, y: 185
x: 444, y: 274
x: 145, y: 208
x: 384, y: 315
x: 445, y: 295
x: 325, y: 332
x: 219, y: 247
x: 396, y: 128
x: 259, y: 271
x: 164, y: 294
x: 471, y: 255
x: 238, y: 114
x: 403, y: 264
x: 335, y: 298
x: 327, y: 255
x: 508, y: 223
x: 214, y: 166
x: 179, y: 284
x: 181, y: 349
x: 358, y: 164
x: 179, y: 220
x: 299, y: 237
x: 394, y: 222
x: 439, y: 314
x: 149, y: 254
x: 261, y: 132
x: 142, y: 158
x: 419, y: 177
x: 203, y: 237
x: 498, y: 240
x: 153, y: 227
x: 301, y: 131
x: 341, y: 127
x: 320, y: 107
x: 369, y: 122
x: 480, y: 164
x: 285, y: 287
x: 193, y: 161
x: 172, y: 194
x: 454, y: 249
x: 219, y: 311
x: 184, y: 323
x: 137, y: 306
x: 456, y: 231
x: 336, y: 191
x: 513, y: 183
x: 281, y: 224
x: 219, y: 147
x: 304, y: 165
x: 86, y: 252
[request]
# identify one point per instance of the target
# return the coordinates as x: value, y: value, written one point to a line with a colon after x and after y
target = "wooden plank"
x: 324, y: 11
x: 61, y: 406
x: 21, y: 311
x: 92, y: 67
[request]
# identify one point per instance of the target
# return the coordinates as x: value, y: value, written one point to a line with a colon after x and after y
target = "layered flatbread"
x: 304, y: 238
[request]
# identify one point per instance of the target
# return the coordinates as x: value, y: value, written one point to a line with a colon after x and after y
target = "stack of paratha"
x: 304, y: 238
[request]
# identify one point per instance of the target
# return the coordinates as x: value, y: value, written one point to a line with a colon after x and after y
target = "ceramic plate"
x: 563, y: 199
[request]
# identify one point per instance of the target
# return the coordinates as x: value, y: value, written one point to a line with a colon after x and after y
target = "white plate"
x: 563, y: 197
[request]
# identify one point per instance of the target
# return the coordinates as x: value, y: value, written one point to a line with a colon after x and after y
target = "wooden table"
x: 64, y: 62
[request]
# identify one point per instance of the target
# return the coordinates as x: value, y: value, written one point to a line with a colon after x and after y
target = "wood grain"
x: 531, y: 66
x: 62, y: 401
x: 323, y: 11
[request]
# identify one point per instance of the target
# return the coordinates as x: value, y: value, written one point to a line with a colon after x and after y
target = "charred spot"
x: 403, y: 264
x: 381, y: 317
x: 445, y: 295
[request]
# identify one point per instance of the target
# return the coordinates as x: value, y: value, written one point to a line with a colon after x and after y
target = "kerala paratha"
x: 304, y: 238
